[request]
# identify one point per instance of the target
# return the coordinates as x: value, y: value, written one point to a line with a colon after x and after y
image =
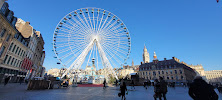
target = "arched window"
x: 162, y: 72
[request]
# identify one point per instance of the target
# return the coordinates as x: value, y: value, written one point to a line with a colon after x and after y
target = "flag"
x: 217, y: 1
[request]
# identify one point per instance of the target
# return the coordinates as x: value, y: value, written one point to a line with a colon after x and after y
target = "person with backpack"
x: 157, y: 90
x: 201, y: 90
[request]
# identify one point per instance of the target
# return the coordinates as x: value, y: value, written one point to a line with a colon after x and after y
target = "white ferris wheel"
x: 91, y: 33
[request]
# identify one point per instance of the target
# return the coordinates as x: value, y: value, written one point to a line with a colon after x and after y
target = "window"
x: 149, y: 73
x: 168, y: 77
x: 9, y: 59
x: 146, y: 73
x: 14, y: 48
x: 169, y: 66
x: 181, y: 77
x: 5, y: 58
x: 181, y: 72
x: 172, y: 77
x: 20, y: 38
x: 19, y: 51
x: 23, y: 54
x: 2, y: 50
x: 154, y: 73
x: 10, y: 46
x: 8, y: 37
x: 16, y: 36
x: 2, y: 33
x: 162, y: 72
x: 158, y: 72
x: 175, y: 71
x: 171, y: 72
x: 166, y: 72
x: 15, y: 62
x: 143, y: 73
x: 12, y: 61
x: 20, y: 63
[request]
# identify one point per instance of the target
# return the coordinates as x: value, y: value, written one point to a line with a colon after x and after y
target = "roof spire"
x: 154, y: 55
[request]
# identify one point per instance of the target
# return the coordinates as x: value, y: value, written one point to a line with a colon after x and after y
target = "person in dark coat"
x: 157, y: 90
x: 123, y: 90
x: 163, y: 88
x: 132, y: 83
x: 104, y: 84
x: 6, y: 81
x: 200, y: 90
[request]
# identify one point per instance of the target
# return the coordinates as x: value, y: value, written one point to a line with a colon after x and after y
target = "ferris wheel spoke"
x: 90, y: 22
x: 112, y: 55
x: 87, y: 26
x: 66, y: 55
x: 110, y: 26
x: 116, y: 53
x: 103, y: 23
x: 100, y: 23
x: 111, y: 19
x: 87, y: 21
x: 83, y: 27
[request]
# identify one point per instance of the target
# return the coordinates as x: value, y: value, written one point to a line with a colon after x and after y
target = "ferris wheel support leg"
x: 80, y: 59
x: 105, y: 61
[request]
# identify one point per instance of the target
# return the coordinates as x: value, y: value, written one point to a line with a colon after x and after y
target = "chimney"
x: 141, y: 63
x: 165, y: 59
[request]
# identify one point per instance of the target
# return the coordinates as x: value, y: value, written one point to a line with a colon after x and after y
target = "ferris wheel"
x: 91, y: 33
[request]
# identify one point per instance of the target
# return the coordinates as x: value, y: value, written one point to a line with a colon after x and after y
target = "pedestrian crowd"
x: 199, y: 89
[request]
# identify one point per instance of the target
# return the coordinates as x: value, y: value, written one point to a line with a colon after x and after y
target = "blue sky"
x: 190, y: 30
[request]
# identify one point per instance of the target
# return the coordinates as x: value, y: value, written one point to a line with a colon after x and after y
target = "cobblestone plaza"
x: 16, y: 91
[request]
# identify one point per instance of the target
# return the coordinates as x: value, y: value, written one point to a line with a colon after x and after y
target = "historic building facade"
x: 12, y: 46
x: 214, y: 76
x: 35, y: 54
x: 171, y: 70
x: 18, y: 46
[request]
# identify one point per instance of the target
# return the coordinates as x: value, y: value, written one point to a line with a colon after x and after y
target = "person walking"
x: 200, y: 90
x: 163, y: 88
x: 157, y: 90
x: 6, y: 81
x: 104, y: 84
x: 20, y: 81
x: 132, y: 83
x: 123, y: 90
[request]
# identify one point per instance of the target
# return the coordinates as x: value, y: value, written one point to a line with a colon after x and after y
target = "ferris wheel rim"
x: 54, y: 43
